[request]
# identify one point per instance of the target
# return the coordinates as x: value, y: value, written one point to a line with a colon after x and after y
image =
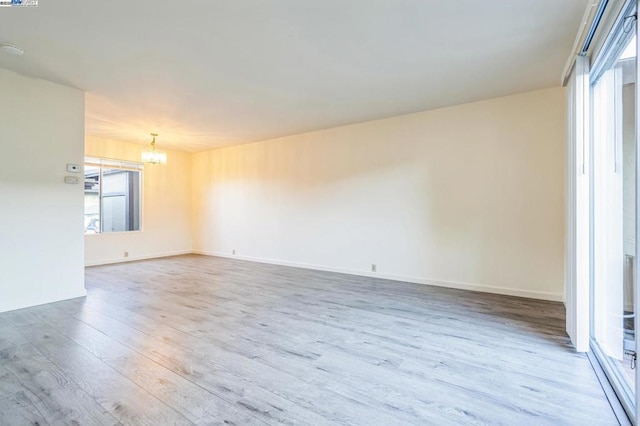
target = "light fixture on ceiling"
x: 12, y: 49
x: 153, y: 156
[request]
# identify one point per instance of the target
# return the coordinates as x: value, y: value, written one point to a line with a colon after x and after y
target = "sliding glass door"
x: 614, y: 214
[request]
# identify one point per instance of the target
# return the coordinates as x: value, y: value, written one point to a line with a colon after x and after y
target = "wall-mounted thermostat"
x: 73, y: 180
x: 73, y: 168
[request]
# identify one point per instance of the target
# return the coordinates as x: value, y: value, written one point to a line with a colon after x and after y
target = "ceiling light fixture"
x: 152, y: 156
x: 11, y: 49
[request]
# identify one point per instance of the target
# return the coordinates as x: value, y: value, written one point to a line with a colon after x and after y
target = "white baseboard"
x: 135, y: 258
x: 42, y: 301
x: 554, y: 297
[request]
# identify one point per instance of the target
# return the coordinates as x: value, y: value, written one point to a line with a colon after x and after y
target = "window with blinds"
x: 112, y: 195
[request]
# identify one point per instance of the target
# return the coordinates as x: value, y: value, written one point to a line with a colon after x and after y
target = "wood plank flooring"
x: 204, y: 340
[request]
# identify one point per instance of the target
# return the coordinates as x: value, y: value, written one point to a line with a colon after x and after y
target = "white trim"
x: 637, y: 236
x: 135, y: 258
x: 585, y: 26
x: 612, y: 43
x: 113, y: 163
x: 607, y: 22
x: 555, y: 297
x: 115, y: 233
x: 44, y: 301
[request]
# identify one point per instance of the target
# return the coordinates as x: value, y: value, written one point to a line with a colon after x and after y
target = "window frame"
x: 112, y: 163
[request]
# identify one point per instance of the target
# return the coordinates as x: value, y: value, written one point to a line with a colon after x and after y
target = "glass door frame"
x: 608, y: 56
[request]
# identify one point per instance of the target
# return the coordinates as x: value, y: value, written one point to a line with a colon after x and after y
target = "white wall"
x: 166, y: 226
x: 470, y: 196
x: 41, y: 243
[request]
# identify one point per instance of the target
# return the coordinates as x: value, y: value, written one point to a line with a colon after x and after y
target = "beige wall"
x: 41, y: 245
x: 166, y: 227
x: 470, y: 196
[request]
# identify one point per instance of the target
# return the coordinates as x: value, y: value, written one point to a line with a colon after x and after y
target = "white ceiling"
x: 212, y: 73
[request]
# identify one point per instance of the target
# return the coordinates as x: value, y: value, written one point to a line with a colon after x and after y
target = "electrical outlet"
x: 234, y: 252
x: 126, y: 254
x: 373, y: 267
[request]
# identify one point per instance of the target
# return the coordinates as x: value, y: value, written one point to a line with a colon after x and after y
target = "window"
x: 614, y: 195
x: 111, y: 196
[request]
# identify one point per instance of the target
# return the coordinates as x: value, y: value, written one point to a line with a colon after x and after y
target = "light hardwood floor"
x: 195, y: 339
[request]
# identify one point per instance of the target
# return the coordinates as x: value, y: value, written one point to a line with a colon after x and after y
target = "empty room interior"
x: 366, y: 212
